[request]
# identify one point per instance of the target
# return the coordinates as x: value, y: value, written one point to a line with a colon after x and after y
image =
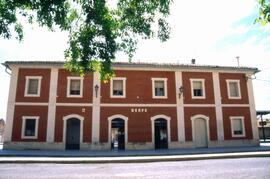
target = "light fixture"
x: 181, y: 90
x: 96, y: 89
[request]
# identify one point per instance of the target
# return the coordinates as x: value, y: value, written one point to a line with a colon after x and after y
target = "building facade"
x: 145, y: 106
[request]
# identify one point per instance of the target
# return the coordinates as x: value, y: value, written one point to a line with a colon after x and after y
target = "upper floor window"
x: 159, y: 87
x: 197, y: 88
x: 237, y: 126
x: 75, y: 87
x: 118, y: 87
x: 32, y: 86
x: 233, y: 87
x: 30, y: 127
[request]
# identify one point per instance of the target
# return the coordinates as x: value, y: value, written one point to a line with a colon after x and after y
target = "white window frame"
x: 124, y: 87
x: 27, y: 78
x: 23, y: 127
x: 243, y: 126
x: 69, y: 78
x: 165, y: 88
x: 238, y: 87
x: 192, y: 88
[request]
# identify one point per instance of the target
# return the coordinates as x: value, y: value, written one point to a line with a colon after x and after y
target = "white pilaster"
x: 11, y: 104
x: 219, y: 115
x: 96, y: 108
x: 52, y: 105
x: 252, y: 109
x: 180, y: 107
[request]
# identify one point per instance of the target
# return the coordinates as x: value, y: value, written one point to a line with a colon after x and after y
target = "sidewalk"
x: 45, y: 156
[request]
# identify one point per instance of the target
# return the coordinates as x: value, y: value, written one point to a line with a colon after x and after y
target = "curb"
x: 138, y: 159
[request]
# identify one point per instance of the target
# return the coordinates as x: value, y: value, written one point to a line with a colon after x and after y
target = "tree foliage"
x: 97, y: 30
x: 264, y: 12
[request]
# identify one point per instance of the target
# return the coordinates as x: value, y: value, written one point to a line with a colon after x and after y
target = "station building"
x: 145, y: 106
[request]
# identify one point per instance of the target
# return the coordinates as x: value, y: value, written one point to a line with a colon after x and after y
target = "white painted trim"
x: 199, y: 105
x: 183, y: 68
x: 189, y: 69
x: 168, y: 119
x: 24, y: 118
x: 135, y: 105
x: 165, y: 88
x: 74, y: 104
x: 192, y: 88
x: 253, y: 116
x: 228, y: 81
x: 52, y: 105
x: 235, y: 105
x: 200, y: 116
x: 180, y: 108
x: 96, y: 108
x: 130, y: 104
x: 65, y: 118
x: 110, y: 126
x: 69, y: 78
x: 27, y: 78
x: 219, y: 113
x: 124, y: 87
x: 30, y: 104
x: 243, y: 125
x: 11, y: 104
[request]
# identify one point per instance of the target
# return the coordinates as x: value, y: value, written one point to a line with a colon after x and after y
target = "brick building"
x: 145, y: 106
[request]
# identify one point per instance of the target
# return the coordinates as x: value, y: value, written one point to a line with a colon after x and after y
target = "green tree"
x: 264, y: 12
x: 97, y: 30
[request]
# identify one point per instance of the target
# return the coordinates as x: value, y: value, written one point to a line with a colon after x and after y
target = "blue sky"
x: 213, y: 32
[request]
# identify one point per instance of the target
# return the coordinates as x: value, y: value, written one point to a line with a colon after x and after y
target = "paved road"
x: 223, y: 168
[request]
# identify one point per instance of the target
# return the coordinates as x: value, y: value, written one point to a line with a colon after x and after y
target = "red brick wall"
x: 21, y: 111
x: 62, y: 111
x: 223, y: 88
x: 139, y: 87
x: 236, y: 111
x: 207, y: 111
x: 62, y: 88
x: 44, y: 88
x: 139, y: 124
x: 209, y: 89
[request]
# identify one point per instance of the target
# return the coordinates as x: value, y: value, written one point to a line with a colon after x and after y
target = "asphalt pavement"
x: 219, y: 168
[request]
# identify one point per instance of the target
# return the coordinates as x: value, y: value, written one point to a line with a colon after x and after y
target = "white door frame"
x: 200, y: 116
x: 65, y: 118
x: 110, y: 126
x: 168, y: 119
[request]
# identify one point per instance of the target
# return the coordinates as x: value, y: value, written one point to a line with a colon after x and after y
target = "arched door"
x: 161, y: 134
x: 73, y: 134
x: 200, y: 133
x: 118, y: 134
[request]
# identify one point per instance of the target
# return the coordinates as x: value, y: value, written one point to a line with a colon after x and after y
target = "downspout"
x: 7, y: 68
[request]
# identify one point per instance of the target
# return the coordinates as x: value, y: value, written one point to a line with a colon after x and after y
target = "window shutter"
x: 237, y: 126
x: 75, y: 85
x: 197, y: 85
x: 118, y: 85
x: 32, y: 86
x: 159, y: 84
x: 233, y: 89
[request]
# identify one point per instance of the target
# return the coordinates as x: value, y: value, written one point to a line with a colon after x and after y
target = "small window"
x: 75, y: 86
x: 237, y: 126
x: 30, y: 127
x: 118, y: 87
x: 233, y: 88
x: 32, y: 86
x: 197, y: 88
x: 159, y: 87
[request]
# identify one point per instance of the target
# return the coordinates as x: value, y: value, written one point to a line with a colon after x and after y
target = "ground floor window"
x: 237, y: 126
x: 30, y: 127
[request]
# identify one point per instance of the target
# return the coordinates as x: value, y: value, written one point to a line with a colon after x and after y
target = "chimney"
x: 193, y: 61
